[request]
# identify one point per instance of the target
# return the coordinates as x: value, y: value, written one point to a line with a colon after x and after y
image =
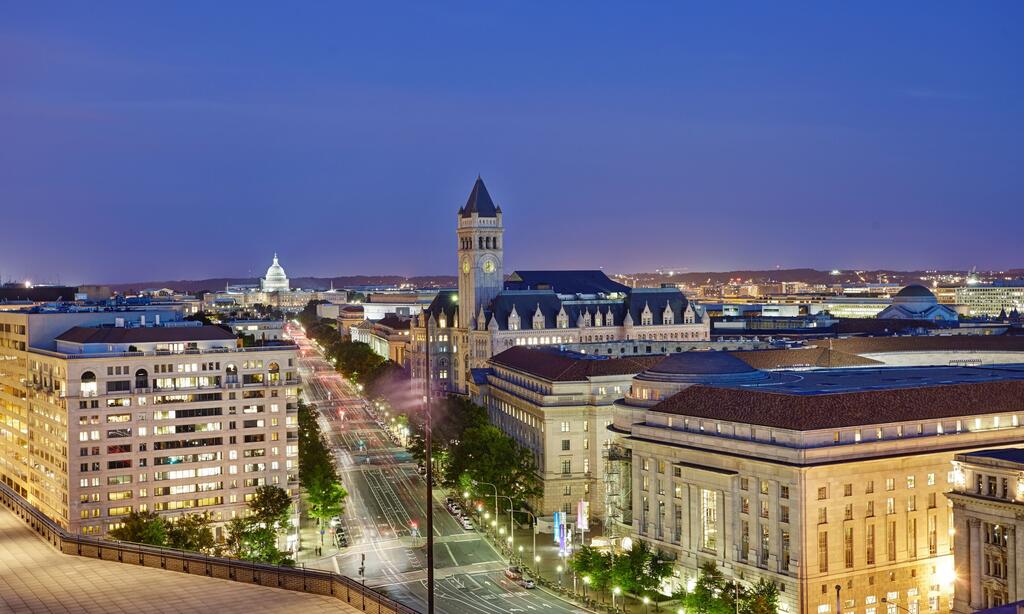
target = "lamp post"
x: 647, y: 604
x: 559, y: 570
x: 615, y: 592
x: 586, y: 582
x: 533, y: 520
x: 475, y: 483
x: 893, y: 603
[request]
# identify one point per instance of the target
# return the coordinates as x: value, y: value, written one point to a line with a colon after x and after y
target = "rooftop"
x: 1012, y: 455
x: 558, y: 366
x: 36, y: 578
x: 833, y: 398
x: 144, y: 334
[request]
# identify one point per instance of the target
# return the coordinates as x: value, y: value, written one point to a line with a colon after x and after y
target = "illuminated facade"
x: 492, y: 312
x: 988, y: 512
x: 100, y: 421
x: 769, y: 475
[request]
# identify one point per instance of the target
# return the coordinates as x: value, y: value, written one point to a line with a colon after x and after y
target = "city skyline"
x: 728, y: 139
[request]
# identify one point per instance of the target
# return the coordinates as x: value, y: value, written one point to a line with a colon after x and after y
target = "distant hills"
x: 812, y: 276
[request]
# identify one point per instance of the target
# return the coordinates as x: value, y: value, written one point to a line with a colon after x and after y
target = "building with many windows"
x: 811, y: 477
x: 991, y: 299
x: 558, y: 404
x: 103, y: 413
x: 988, y: 514
x: 490, y: 312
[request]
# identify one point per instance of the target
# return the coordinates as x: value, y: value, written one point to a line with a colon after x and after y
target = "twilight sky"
x: 169, y: 140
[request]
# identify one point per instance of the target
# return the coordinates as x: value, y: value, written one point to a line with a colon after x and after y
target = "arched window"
x: 142, y: 379
x: 88, y: 386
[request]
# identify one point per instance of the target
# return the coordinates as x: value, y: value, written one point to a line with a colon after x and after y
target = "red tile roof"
x: 559, y: 367
x: 802, y: 357
x: 824, y: 411
x: 152, y: 334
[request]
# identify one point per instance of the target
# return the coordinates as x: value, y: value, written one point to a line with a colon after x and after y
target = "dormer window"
x: 667, y: 317
x: 646, y: 317
x: 597, y: 318
x: 538, y: 319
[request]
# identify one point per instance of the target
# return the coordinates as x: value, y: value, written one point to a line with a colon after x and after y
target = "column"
x: 1011, y: 564
x: 962, y: 561
x: 976, y: 562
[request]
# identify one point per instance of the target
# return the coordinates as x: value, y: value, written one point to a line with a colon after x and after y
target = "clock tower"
x: 481, y: 241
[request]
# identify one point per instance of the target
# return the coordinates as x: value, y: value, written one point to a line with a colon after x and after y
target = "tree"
x: 639, y: 570
x: 251, y: 540
x: 762, y: 598
x: 589, y: 562
x: 191, y: 532
x: 143, y: 528
x: 269, y: 506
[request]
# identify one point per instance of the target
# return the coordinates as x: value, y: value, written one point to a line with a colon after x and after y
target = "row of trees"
x: 467, y: 448
x: 252, y: 537
x: 318, y: 471
x: 638, y: 571
x: 713, y: 594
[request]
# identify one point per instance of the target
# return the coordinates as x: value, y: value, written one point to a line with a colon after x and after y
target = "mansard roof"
x: 558, y: 366
x: 564, y: 282
x: 526, y: 303
x: 445, y: 302
x: 479, y: 202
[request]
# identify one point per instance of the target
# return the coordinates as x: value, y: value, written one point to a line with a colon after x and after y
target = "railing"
x: 313, y: 581
x: 189, y: 351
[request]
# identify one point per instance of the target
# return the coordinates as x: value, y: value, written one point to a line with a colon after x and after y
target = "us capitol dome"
x: 275, y: 279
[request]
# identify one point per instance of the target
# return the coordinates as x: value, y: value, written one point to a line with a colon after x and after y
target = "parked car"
x: 335, y: 522
x: 466, y: 524
x: 527, y: 583
x: 514, y: 573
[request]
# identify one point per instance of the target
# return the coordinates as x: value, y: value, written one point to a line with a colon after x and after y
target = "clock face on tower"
x: 488, y: 266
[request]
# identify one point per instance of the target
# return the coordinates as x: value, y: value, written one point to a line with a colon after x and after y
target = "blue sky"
x: 145, y: 140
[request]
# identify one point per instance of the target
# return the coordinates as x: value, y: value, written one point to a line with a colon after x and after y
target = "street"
x: 385, y: 514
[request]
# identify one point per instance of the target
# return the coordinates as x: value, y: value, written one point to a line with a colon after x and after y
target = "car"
x: 527, y: 583
x: 514, y: 573
x: 466, y: 524
x: 335, y: 522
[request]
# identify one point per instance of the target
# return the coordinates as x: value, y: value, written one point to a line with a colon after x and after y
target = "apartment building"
x: 988, y: 513
x: 113, y: 414
x: 811, y: 478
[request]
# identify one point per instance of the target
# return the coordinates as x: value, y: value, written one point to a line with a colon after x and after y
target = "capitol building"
x: 274, y: 290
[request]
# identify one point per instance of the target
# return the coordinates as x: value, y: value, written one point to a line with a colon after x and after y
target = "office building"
x: 107, y: 412
x: 809, y: 477
x: 988, y: 515
x: 992, y: 299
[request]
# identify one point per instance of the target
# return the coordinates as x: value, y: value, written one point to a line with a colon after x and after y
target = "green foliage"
x: 142, y: 528
x: 317, y: 470
x: 591, y: 562
x: 639, y: 571
x: 269, y: 506
x: 250, y: 540
x: 191, y: 532
x: 713, y: 594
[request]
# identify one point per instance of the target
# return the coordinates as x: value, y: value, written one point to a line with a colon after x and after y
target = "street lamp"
x: 559, y: 570
x: 647, y: 603
x: 586, y: 583
x: 893, y: 603
x: 615, y: 591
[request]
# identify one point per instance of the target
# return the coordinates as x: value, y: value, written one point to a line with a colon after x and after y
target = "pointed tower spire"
x: 479, y: 202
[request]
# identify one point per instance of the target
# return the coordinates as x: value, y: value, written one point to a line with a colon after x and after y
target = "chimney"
x: 119, y: 322
x: 157, y: 320
x: 142, y: 321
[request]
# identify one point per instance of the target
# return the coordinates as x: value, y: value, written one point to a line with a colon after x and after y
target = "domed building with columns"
x: 274, y: 290
x: 275, y: 280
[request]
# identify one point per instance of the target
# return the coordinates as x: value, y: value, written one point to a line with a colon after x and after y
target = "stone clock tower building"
x: 481, y: 241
